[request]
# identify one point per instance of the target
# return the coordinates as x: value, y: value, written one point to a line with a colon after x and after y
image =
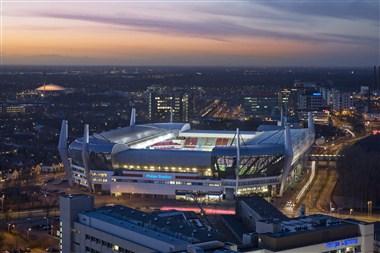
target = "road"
x: 28, y: 213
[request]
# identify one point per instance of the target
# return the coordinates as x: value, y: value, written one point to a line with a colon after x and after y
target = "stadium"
x: 172, y: 160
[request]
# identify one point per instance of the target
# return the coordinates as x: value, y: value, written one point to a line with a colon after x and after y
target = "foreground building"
x: 262, y: 228
x: 259, y: 227
x: 122, y: 229
x: 171, y: 159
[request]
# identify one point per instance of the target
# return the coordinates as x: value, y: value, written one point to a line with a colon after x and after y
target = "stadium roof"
x: 156, y: 157
x: 129, y: 134
x: 130, y: 144
x: 218, y: 134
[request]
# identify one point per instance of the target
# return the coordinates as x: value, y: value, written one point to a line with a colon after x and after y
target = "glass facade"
x: 250, y: 166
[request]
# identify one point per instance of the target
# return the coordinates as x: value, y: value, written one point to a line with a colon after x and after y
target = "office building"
x: 376, y: 82
x: 310, y: 101
x: 260, y: 105
x: 287, y: 98
x: 175, y: 106
x: 263, y: 229
x: 15, y: 109
x: 341, y: 100
x: 122, y: 229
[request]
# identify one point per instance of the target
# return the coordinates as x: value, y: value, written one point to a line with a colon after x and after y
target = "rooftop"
x: 312, y: 223
x: 170, y: 226
x: 265, y: 209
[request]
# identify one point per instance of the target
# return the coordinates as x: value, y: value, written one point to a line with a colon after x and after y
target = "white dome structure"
x: 50, y: 87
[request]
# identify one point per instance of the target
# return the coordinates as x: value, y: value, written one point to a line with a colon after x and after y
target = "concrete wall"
x: 70, y: 207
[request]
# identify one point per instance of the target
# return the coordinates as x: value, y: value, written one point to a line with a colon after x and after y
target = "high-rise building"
x: 378, y: 77
x: 310, y: 101
x: 70, y: 206
x: 364, y: 90
x: 376, y: 82
x: 163, y: 106
x: 341, y: 100
x: 287, y: 98
x: 260, y: 105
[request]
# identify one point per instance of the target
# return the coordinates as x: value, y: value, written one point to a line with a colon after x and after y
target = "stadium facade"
x: 173, y: 160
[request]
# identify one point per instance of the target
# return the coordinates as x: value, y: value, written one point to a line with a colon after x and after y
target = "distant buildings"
x: 43, y: 90
x: 14, y: 109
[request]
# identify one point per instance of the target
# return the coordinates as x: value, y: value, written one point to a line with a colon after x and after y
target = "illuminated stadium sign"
x: 158, y: 176
x: 342, y: 243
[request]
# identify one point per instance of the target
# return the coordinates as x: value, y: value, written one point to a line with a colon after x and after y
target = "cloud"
x: 343, y: 9
x: 215, y: 29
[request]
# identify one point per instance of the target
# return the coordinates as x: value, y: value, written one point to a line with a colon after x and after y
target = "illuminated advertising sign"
x: 317, y: 94
x: 158, y: 176
x: 342, y: 243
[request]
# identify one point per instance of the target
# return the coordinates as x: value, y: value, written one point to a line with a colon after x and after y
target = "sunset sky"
x: 258, y: 33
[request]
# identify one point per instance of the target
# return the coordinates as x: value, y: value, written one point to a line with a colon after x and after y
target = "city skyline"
x: 224, y: 33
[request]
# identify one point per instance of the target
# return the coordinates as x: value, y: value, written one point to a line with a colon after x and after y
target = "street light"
x: 369, y: 204
x: 11, y: 227
x: 2, y: 198
x: 27, y: 233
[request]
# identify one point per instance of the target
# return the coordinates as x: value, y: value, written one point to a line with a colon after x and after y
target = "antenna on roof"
x: 288, y: 141
x: 133, y: 117
x: 282, y: 117
x: 237, y: 161
x: 171, y: 114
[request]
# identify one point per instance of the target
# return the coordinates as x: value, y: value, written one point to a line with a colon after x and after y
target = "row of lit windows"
x: 250, y: 190
x: 345, y: 250
x: 172, y: 182
x: 114, y: 247
x: 99, y: 180
x: 264, y: 181
x: 206, y: 172
x: 15, y: 109
x: 79, y: 175
x: 99, y: 174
